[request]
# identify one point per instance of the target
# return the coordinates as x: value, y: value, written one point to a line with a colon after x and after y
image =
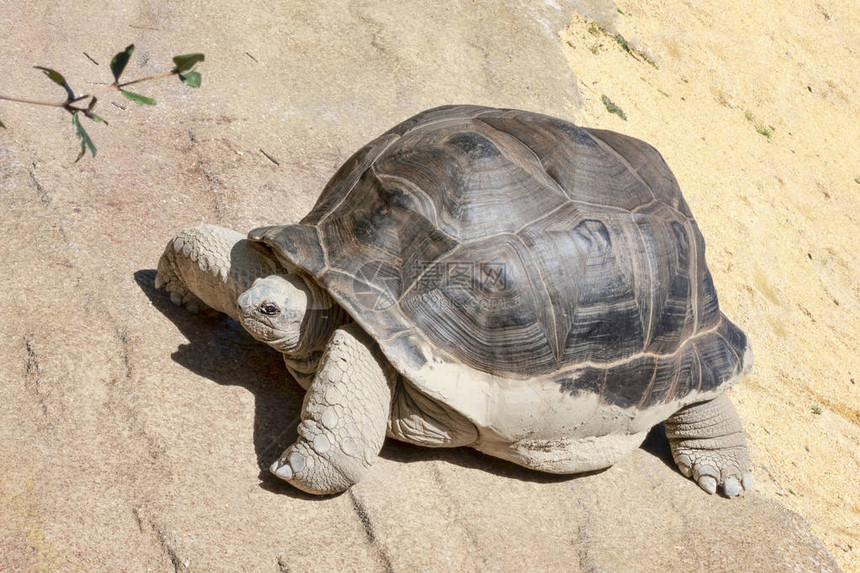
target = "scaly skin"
x: 708, y: 444
x: 344, y: 417
x: 209, y: 267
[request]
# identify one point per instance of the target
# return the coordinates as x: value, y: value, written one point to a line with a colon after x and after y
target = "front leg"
x: 344, y: 417
x: 210, y: 266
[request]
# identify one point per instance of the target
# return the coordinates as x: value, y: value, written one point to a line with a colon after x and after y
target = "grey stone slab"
x: 135, y: 437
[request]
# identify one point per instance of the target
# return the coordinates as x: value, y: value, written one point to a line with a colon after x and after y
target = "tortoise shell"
x: 506, y: 249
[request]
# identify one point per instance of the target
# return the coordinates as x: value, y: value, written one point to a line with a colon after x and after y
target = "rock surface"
x: 134, y: 436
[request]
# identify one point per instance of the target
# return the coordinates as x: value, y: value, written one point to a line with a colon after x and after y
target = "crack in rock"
x: 215, y: 184
x: 33, y: 376
x: 369, y: 530
x: 163, y: 540
x: 44, y: 196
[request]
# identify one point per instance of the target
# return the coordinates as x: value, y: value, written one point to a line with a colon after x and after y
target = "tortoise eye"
x: 269, y: 309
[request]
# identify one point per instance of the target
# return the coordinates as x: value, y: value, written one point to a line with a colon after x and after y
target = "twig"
x: 113, y: 87
x: 270, y: 158
x: 184, y: 69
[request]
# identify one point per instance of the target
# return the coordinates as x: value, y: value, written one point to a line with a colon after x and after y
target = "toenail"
x: 731, y: 487
x: 708, y: 483
x: 283, y: 472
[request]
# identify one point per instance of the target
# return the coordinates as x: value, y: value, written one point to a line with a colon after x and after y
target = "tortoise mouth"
x: 259, y: 330
x: 277, y: 339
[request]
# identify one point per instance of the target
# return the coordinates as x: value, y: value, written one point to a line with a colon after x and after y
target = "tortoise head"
x: 273, y: 311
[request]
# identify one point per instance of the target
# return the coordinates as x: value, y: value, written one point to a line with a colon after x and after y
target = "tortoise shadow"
x: 219, y: 349
x: 466, y: 457
x: 655, y: 443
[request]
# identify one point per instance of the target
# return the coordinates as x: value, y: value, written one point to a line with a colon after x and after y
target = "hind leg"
x: 209, y: 267
x: 418, y: 419
x: 708, y: 444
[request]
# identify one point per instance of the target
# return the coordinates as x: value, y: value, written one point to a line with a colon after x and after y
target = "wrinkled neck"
x: 322, y: 318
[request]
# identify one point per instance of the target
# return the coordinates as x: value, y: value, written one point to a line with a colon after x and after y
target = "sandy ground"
x: 136, y: 436
x: 757, y: 112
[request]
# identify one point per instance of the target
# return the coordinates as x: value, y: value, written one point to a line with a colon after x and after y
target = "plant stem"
x: 31, y: 102
x: 68, y: 102
x: 146, y: 79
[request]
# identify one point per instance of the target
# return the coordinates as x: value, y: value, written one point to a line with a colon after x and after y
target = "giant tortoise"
x: 491, y: 278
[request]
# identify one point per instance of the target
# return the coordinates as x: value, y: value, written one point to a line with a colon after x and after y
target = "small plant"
x: 596, y: 29
x: 612, y: 108
x: 84, y: 104
x: 760, y: 128
x: 765, y: 131
x: 816, y: 409
x: 623, y: 43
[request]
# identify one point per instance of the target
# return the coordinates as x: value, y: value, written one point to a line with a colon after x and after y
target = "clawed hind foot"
x: 710, y: 471
x: 709, y: 446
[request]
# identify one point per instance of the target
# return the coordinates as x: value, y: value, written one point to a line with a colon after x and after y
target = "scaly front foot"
x: 209, y: 267
x: 344, y: 417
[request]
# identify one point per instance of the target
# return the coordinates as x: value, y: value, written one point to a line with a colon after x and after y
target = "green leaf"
x: 191, y: 79
x: 119, y: 61
x: 89, y: 112
x: 53, y: 74
x: 185, y: 62
x: 1, y: 125
x: 137, y: 98
x: 86, y: 142
x: 612, y: 108
x: 57, y: 78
